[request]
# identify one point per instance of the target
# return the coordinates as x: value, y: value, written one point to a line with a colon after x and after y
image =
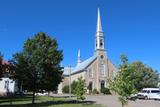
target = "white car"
x: 41, y: 93
x: 148, y: 93
x: 157, y: 96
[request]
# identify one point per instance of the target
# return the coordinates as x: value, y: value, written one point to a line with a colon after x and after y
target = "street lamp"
x: 70, y: 81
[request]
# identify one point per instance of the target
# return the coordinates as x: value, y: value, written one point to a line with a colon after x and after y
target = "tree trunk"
x: 21, y: 89
x: 122, y: 105
x: 49, y: 93
x: 34, y: 88
x: 33, y: 97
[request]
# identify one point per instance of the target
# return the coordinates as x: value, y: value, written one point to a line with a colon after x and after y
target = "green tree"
x: 145, y: 76
x: 4, y: 67
x: 1, y: 66
x: 123, y: 83
x: 73, y: 88
x: 38, y: 65
x: 80, y: 90
x: 65, y: 89
x: 19, y: 70
x: 132, y: 77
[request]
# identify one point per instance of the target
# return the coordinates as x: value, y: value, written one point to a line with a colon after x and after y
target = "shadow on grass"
x: 49, y: 103
x: 15, y: 98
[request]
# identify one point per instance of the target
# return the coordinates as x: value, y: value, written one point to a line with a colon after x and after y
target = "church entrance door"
x: 102, y: 85
x: 90, y: 87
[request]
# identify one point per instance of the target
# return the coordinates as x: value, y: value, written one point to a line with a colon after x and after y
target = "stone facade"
x: 97, y: 69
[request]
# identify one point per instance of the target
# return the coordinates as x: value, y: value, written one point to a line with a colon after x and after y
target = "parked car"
x: 41, y: 93
x: 148, y: 93
x: 156, y: 96
x: 21, y: 93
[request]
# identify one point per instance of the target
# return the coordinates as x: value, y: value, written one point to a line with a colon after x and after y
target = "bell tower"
x: 99, y: 36
x: 101, y: 70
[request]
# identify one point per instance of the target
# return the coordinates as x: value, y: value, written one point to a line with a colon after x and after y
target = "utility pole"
x: 70, y: 81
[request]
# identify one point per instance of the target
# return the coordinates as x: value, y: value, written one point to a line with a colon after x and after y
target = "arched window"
x: 102, y: 69
x: 102, y: 84
x: 90, y: 87
x: 101, y: 42
x: 90, y: 72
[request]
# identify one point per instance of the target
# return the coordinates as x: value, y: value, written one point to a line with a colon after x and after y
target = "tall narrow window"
x: 90, y: 87
x: 102, y: 85
x: 102, y: 70
x: 90, y: 73
x: 101, y: 42
x: 96, y: 43
x: 6, y: 84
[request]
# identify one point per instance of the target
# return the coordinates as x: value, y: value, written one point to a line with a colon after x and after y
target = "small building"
x: 7, y: 85
x: 95, y: 70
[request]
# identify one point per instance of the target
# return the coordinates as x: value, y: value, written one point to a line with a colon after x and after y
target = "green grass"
x: 43, y: 101
x: 74, y: 105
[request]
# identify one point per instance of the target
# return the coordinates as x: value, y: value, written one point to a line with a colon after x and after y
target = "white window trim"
x: 104, y: 67
x: 90, y: 73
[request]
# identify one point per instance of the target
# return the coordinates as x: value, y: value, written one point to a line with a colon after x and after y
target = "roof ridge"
x: 84, y: 64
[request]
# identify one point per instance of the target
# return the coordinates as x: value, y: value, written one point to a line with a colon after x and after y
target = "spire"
x: 79, y: 57
x: 99, y: 25
x: 99, y: 37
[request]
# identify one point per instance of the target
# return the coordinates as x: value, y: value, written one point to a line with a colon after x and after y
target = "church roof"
x: 84, y: 64
x: 5, y: 62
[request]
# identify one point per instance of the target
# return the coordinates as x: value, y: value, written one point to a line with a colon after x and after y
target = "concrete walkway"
x: 112, y: 101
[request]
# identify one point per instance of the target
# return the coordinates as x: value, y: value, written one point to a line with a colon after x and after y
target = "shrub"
x: 80, y: 90
x: 73, y: 86
x: 65, y: 89
x: 105, y: 91
x: 95, y: 91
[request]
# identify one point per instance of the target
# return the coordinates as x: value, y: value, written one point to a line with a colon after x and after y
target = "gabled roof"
x: 82, y: 66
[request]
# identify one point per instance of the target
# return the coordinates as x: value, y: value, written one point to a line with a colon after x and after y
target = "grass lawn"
x: 43, y: 101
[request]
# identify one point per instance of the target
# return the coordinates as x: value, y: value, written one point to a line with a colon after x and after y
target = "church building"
x: 95, y: 70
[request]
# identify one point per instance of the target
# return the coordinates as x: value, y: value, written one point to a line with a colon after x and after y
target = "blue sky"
x: 130, y: 26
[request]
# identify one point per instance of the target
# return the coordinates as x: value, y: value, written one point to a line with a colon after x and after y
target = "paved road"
x: 112, y: 101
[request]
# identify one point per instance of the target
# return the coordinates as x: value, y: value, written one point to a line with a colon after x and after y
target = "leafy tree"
x: 38, y: 65
x: 4, y: 67
x: 19, y: 70
x: 1, y: 65
x: 145, y: 76
x: 77, y: 88
x: 132, y: 77
x: 65, y: 89
x: 80, y: 90
x: 73, y: 88
x: 123, y: 83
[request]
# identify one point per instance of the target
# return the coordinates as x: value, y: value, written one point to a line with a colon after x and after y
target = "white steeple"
x: 99, y: 25
x: 79, y: 57
x: 99, y: 37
